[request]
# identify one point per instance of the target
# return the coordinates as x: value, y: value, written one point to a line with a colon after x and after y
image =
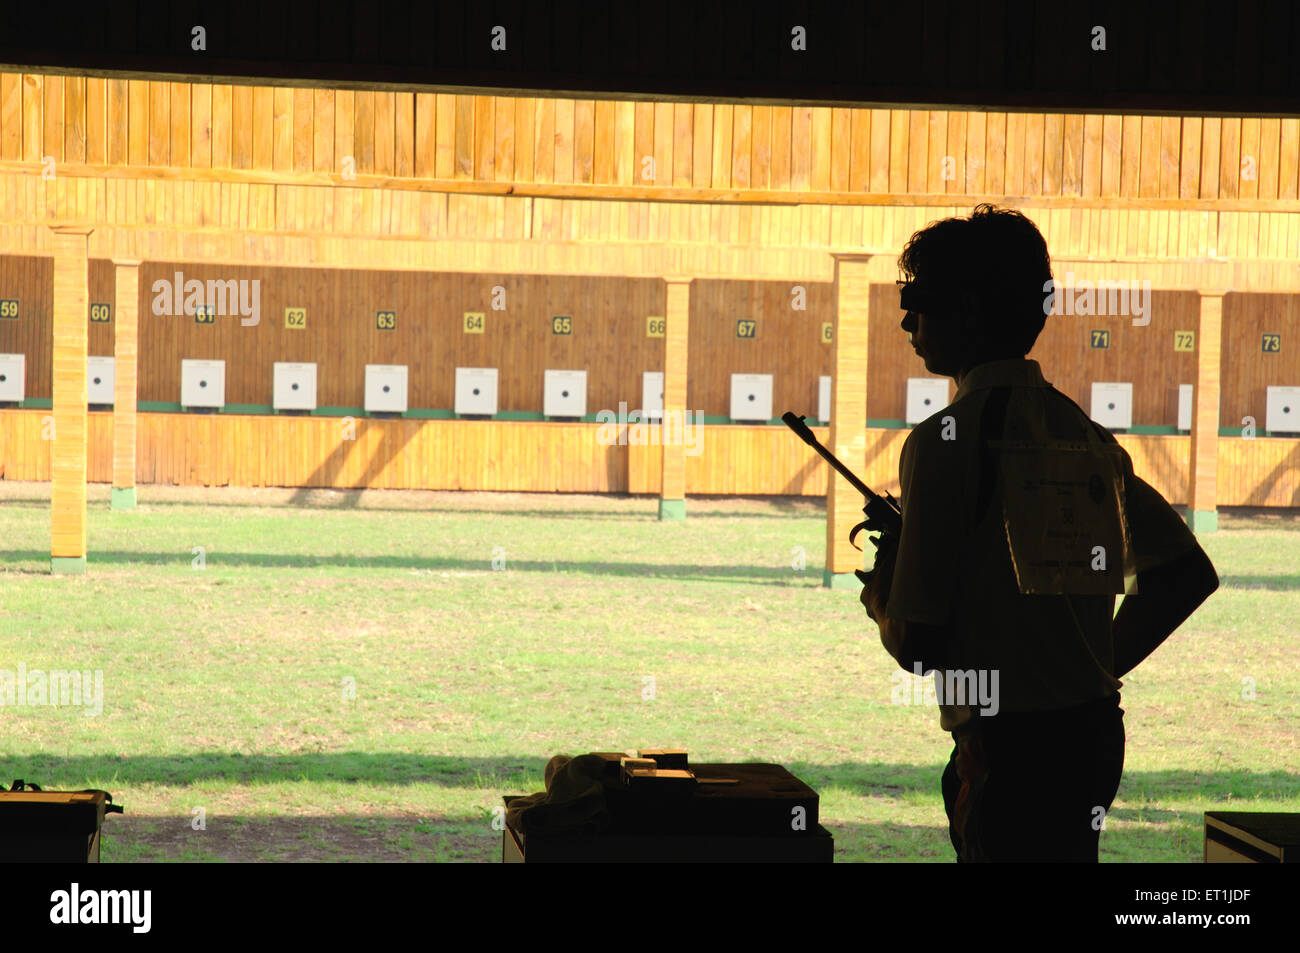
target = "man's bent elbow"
x: 1207, y: 578
x: 1191, y: 576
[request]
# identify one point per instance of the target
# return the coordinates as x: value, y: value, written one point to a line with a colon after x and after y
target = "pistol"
x: 883, y: 513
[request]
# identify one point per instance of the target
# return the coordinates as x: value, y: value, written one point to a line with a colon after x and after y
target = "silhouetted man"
x: 1022, y: 520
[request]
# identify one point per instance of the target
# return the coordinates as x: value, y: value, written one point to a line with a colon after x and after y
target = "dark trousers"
x: 1034, y: 786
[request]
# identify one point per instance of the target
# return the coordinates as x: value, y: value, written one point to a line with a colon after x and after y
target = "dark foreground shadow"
x: 433, y: 838
x: 390, y: 768
x: 750, y: 574
x: 754, y: 575
x: 1146, y: 833
x: 1280, y: 583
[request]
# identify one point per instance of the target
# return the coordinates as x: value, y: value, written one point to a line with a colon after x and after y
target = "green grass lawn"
x: 349, y: 678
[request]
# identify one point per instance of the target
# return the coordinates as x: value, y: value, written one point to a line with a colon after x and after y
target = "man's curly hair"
x: 1000, y: 257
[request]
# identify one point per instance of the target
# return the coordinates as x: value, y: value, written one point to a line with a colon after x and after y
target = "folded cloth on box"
x: 573, y: 802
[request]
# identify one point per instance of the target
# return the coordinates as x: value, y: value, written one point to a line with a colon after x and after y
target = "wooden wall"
x: 31, y: 281
x: 608, y: 331
x: 787, y: 343
x: 206, y: 450
x: 547, y: 457
x: 141, y: 123
x: 609, y: 339
x: 1246, y: 318
x: 1142, y: 355
x: 1159, y: 187
x: 608, y: 336
x: 212, y: 218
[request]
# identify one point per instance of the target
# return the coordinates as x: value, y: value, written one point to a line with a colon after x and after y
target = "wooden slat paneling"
x: 323, y: 130
x: 385, y: 134
x: 11, y: 116
x: 404, y: 134
x: 74, y: 119
x: 602, y: 143
x: 436, y: 454
x: 52, y: 114
x: 584, y: 131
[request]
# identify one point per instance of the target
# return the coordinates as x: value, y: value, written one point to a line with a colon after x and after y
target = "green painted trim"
x: 518, y: 415
x: 774, y: 422
x: 1203, y: 521
x: 840, y: 580
x: 883, y: 423
x: 159, y: 407
x: 37, y: 403
x: 672, y: 510
x: 121, y: 498
x: 254, y: 409
x: 339, y: 412
x: 1160, y: 429
x: 431, y: 414
x: 68, y: 565
x: 1259, y: 432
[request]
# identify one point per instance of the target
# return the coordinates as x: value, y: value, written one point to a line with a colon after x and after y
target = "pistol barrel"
x: 799, y: 427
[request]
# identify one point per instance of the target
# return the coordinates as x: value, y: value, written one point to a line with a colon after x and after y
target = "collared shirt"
x: 954, y: 566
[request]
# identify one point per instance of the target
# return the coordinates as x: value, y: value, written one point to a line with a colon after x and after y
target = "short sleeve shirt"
x: 954, y: 565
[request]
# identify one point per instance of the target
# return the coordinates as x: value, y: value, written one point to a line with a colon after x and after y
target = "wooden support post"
x: 848, y: 437
x: 126, y: 320
x: 677, y: 318
x: 68, y: 455
x: 1202, y: 512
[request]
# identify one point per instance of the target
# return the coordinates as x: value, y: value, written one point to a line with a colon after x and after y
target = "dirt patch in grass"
x: 297, y: 840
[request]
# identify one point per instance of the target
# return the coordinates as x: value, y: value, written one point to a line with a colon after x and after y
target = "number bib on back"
x: 1063, y: 513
